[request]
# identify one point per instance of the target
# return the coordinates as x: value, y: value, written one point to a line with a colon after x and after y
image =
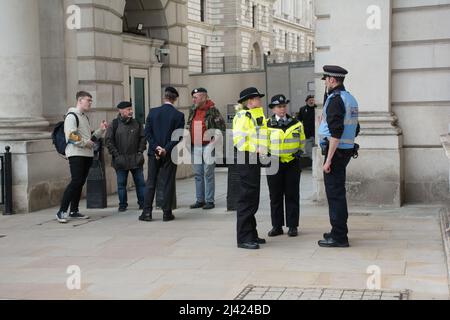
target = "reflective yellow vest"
x: 284, y: 144
x: 250, y: 131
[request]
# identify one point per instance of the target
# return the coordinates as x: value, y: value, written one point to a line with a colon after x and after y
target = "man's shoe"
x: 331, y: 243
x: 208, y: 206
x: 122, y: 209
x: 248, y: 245
x: 327, y: 235
x: 275, y: 232
x: 61, y: 217
x: 168, y: 217
x: 77, y: 215
x: 197, y: 205
x: 260, y: 241
x: 145, y: 217
x: 293, y: 232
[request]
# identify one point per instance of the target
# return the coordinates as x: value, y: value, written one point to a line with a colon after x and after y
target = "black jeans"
x: 336, y: 195
x: 167, y: 172
x: 79, y: 170
x: 284, y: 187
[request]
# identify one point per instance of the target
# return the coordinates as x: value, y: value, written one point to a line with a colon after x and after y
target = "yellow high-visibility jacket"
x: 284, y: 144
x: 250, y: 131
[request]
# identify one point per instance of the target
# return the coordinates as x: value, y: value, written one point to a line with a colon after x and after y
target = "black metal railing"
x: 6, y: 181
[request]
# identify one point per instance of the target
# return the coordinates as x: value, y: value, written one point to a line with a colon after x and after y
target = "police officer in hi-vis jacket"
x: 250, y: 139
x: 286, y: 143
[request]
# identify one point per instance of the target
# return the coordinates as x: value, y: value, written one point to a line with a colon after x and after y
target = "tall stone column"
x: 20, y: 67
x: 358, y: 37
x: 37, y: 170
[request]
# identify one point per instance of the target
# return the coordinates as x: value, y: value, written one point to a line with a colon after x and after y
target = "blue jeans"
x: 203, y: 163
x: 139, y: 182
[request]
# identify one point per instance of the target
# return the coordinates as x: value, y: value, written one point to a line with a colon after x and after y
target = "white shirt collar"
x: 278, y: 118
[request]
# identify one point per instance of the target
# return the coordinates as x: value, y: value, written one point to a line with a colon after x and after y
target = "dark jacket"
x: 161, y: 123
x: 127, y: 145
x: 307, y: 116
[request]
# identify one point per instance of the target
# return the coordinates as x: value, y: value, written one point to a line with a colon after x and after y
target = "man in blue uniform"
x: 338, y: 129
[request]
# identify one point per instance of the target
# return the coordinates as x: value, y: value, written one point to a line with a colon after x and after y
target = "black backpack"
x: 59, y: 137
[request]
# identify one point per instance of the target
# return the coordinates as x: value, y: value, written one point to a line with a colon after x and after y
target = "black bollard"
x: 8, y: 182
x: 96, y: 197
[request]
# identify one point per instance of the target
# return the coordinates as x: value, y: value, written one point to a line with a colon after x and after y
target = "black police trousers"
x: 284, y: 188
x: 248, y: 202
x: 165, y: 170
x: 336, y: 195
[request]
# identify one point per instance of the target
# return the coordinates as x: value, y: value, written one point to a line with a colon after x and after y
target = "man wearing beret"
x: 204, y: 116
x: 338, y: 128
x: 126, y: 143
x: 160, y: 125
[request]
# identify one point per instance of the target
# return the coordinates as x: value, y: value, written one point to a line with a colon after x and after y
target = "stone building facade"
x: 59, y: 47
x: 397, y: 53
x: 234, y: 35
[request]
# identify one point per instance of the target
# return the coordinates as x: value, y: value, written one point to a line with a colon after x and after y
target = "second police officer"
x: 286, y: 143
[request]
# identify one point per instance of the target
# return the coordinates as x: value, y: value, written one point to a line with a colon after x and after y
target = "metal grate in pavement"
x: 288, y: 293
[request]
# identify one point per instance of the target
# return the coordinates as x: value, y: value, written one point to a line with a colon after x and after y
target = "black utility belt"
x: 342, y: 152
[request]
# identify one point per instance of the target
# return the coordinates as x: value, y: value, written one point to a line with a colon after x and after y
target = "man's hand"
x: 90, y: 144
x: 160, y: 152
x: 327, y: 167
x: 104, y: 125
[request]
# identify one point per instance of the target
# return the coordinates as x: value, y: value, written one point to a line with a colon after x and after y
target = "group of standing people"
x: 282, y: 136
x: 282, y: 139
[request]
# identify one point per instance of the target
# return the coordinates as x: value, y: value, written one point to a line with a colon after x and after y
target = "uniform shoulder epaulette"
x: 248, y: 114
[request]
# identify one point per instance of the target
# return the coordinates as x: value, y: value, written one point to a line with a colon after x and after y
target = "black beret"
x: 198, y: 90
x: 172, y: 90
x: 124, y: 105
x: 309, y: 97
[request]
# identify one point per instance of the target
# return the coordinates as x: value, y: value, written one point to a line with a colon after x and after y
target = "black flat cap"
x: 278, y: 100
x: 309, y: 97
x: 124, y: 105
x: 199, y: 90
x: 172, y: 90
x: 249, y: 93
x: 334, y: 71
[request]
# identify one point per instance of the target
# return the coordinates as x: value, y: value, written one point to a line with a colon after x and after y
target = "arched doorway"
x: 164, y: 20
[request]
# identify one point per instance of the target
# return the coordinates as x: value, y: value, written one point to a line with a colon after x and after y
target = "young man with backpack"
x: 126, y: 143
x: 79, y: 151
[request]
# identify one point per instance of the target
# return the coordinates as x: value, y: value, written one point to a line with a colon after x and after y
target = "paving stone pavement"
x: 195, y: 256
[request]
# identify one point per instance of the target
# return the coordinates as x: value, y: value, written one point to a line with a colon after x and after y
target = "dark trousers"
x: 337, y: 202
x: 79, y: 170
x: 167, y: 172
x: 284, y: 188
x: 139, y: 183
x: 248, y: 203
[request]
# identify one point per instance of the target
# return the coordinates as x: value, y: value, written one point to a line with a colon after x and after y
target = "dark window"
x: 202, y: 10
x: 254, y: 16
x: 203, y: 59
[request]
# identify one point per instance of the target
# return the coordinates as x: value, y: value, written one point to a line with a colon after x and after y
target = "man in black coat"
x: 307, y: 116
x: 126, y: 143
x: 161, y: 123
